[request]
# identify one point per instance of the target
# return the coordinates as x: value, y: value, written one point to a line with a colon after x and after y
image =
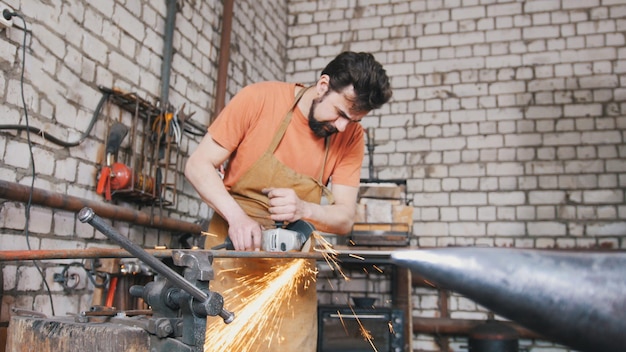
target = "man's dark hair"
x: 362, y: 71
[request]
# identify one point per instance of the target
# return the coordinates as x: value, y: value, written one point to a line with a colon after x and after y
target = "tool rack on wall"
x: 146, y: 159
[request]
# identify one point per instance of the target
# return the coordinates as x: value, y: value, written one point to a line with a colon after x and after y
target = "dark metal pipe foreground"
x: 17, y: 192
x: 87, y: 215
x: 576, y: 298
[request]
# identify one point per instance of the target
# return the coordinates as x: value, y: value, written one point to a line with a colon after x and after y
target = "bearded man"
x: 292, y: 152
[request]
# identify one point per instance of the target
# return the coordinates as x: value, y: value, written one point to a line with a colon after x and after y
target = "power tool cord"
x: 32, y: 158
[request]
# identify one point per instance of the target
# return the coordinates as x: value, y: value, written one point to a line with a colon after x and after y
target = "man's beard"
x: 321, y: 129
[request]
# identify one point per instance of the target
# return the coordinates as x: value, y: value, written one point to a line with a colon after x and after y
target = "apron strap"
x: 283, y: 126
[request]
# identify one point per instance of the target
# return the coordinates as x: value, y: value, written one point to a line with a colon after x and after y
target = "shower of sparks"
x: 356, y: 256
x: 208, y: 234
x: 378, y: 269
x: 258, y: 299
x: 328, y: 253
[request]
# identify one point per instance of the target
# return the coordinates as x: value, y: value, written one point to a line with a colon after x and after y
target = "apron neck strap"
x: 283, y: 126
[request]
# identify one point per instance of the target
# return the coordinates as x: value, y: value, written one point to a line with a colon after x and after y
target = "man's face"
x: 331, y: 113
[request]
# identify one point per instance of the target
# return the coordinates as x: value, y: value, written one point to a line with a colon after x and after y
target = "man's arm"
x: 335, y: 218
x: 200, y: 170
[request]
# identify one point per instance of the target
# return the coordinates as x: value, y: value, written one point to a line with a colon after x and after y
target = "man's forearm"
x: 335, y: 218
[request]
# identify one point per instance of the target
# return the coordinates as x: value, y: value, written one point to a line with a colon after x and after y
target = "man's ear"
x: 323, y: 85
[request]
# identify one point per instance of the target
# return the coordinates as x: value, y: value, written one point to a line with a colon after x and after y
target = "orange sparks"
x: 356, y: 256
x: 391, y: 329
x: 377, y: 268
x: 364, y: 332
x: 328, y: 253
x: 258, y: 301
x: 258, y: 298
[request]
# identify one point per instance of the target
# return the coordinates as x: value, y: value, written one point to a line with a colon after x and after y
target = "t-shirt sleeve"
x: 231, y: 125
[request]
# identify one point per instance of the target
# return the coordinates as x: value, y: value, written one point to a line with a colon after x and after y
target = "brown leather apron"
x: 293, y: 324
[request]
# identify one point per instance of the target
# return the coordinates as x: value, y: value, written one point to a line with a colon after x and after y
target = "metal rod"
x: 456, y: 327
x: 17, y: 192
x: 93, y: 253
x: 224, y: 57
x: 87, y: 215
x: 168, y: 38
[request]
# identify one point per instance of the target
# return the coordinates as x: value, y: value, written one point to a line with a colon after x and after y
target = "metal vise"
x: 179, y: 304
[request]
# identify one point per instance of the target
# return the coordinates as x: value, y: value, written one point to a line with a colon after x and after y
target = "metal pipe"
x: 456, y: 327
x: 166, y: 67
x: 575, y: 298
x: 93, y: 253
x: 16, y: 192
x: 224, y: 57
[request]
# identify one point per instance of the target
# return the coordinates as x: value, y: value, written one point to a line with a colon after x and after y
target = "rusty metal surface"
x: 62, y: 334
x: 575, y: 298
x: 224, y: 57
x: 89, y: 253
x: 455, y: 327
x: 17, y: 192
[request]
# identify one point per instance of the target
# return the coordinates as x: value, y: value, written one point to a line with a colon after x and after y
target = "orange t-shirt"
x: 249, y: 121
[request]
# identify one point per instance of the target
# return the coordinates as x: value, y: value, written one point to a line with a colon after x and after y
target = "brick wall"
x: 76, y: 46
x: 507, y: 118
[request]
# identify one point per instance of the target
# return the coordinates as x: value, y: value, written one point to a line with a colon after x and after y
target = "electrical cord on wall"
x: 56, y: 140
x: 6, y: 13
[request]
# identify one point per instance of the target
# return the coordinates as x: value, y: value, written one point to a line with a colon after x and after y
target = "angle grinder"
x: 291, y: 237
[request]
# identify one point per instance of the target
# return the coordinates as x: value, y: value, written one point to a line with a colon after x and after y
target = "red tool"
x: 117, y: 176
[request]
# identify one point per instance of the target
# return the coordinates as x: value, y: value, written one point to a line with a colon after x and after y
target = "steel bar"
x: 168, y: 49
x: 17, y: 192
x: 574, y: 298
x: 456, y: 327
x: 224, y: 57
x: 87, y: 215
x: 92, y: 253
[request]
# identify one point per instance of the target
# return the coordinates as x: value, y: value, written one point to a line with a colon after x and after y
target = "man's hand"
x: 285, y: 204
x: 245, y: 234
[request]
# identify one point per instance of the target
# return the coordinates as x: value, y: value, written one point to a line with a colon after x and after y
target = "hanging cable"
x: 32, y: 158
x: 55, y: 140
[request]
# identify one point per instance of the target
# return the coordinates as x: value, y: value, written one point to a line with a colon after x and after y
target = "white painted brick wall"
x: 507, y: 119
x: 521, y: 103
x: 76, y: 46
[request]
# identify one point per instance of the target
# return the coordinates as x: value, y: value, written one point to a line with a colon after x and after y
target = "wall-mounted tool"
x: 116, y: 176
